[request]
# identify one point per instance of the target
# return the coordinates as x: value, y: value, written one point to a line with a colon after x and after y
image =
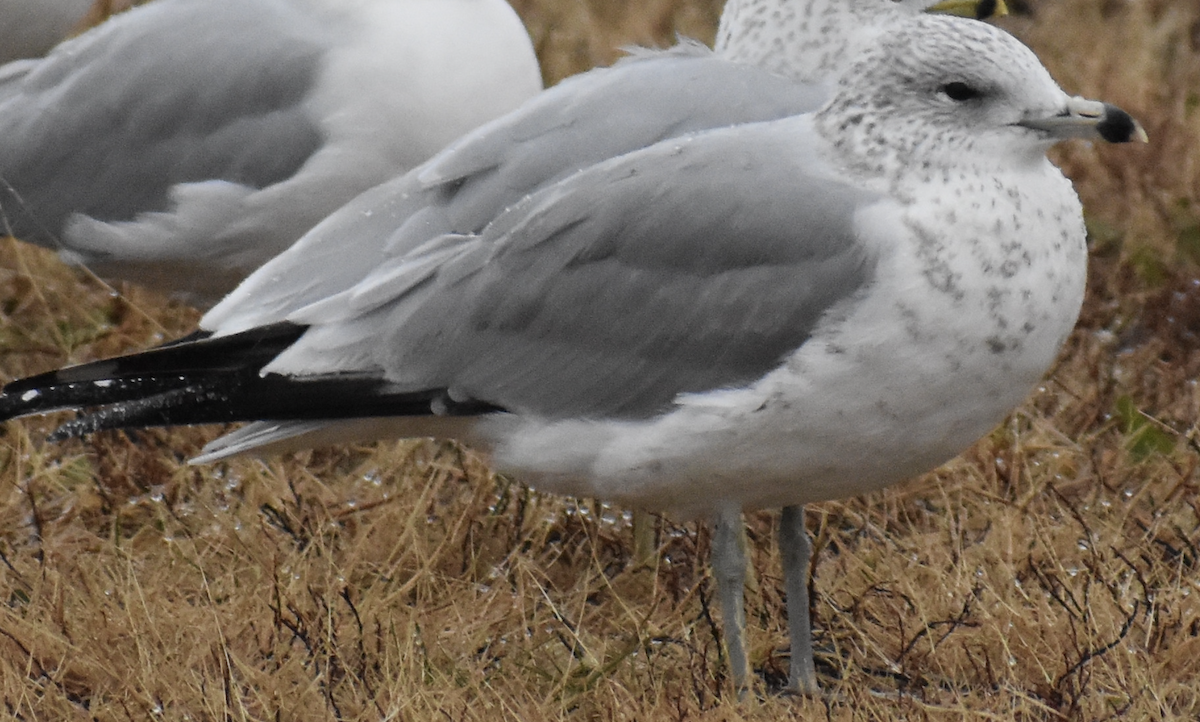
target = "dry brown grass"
x: 1049, y: 573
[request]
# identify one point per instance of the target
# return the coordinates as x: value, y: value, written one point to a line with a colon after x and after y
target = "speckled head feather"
x: 811, y: 40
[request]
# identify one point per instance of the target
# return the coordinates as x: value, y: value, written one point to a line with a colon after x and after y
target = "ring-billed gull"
x: 752, y: 316
x: 572, y: 126
x: 182, y: 144
x: 808, y: 41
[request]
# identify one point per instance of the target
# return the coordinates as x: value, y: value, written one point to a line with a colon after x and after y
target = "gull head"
x: 940, y: 89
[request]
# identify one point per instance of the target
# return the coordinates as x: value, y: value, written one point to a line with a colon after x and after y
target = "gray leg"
x: 644, y: 547
x: 729, y: 567
x: 796, y: 551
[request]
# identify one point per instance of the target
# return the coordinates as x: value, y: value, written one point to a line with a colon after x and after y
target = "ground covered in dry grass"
x: 1049, y: 573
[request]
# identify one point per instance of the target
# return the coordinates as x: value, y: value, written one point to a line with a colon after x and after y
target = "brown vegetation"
x: 1051, y: 572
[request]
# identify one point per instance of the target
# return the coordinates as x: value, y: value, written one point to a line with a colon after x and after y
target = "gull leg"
x: 729, y: 567
x: 796, y: 552
x: 644, y: 547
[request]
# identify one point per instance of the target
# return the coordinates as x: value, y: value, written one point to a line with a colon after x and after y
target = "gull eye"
x: 960, y: 92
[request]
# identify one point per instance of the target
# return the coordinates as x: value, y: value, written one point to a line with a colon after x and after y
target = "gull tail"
x: 277, y: 437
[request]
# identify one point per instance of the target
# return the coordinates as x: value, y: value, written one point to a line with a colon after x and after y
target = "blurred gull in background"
x: 28, y: 28
x: 182, y: 144
x: 756, y: 315
x: 814, y: 41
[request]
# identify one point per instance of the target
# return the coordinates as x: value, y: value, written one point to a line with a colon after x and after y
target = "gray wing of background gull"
x: 186, y: 142
x: 584, y: 120
x: 80, y: 136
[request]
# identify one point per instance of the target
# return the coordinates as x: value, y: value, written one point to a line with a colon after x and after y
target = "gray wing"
x: 602, y: 114
x: 697, y: 264
x: 173, y: 92
x: 580, y: 122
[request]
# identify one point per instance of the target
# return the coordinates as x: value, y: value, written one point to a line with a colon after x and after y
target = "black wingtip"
x: 45, y: 399
x: 173, y: 365
x: 215, y: 380
x: 252, y: 397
